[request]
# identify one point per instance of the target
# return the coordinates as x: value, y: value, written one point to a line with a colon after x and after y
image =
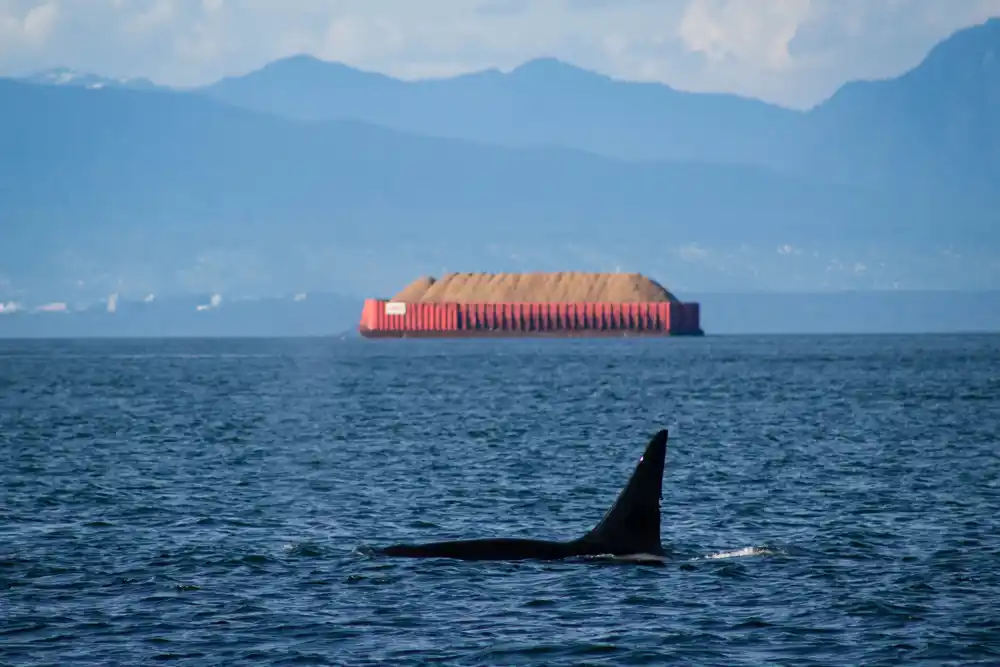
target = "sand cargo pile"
x: 566, y: 304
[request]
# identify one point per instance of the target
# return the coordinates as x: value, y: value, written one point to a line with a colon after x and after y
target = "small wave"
x: 740, y: 553
x: 304, y: 550
x: 643, y: 559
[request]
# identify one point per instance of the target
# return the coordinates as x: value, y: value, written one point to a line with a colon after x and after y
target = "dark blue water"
x: 827, y: 501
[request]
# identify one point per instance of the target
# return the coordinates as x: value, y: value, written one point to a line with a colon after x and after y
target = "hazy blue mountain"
x: 938, y: 123
x: 167, y: 191
x: 541, y: 103
x: 115, y: 189
x: 935, y: 125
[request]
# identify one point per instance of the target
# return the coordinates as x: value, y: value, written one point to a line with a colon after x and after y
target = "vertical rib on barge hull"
x: 395, y: 319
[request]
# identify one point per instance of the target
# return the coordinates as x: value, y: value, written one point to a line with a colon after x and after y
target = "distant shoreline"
x: 723, y: 314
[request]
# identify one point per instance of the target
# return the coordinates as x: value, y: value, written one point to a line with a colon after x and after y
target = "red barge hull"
x: 395, y: 319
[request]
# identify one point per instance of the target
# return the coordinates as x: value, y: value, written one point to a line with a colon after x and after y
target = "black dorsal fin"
x: 632, y: 525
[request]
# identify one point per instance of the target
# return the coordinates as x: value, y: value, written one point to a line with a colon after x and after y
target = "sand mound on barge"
x: 561, y: 287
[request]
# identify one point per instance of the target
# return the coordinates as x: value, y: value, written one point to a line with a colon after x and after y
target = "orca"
x: 630, y: 528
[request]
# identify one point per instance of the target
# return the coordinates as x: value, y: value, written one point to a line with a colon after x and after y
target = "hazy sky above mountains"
x: 793, y: 52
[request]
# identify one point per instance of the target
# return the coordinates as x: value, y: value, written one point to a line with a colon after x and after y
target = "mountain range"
x: 314, y: 176
x: 937, y: 121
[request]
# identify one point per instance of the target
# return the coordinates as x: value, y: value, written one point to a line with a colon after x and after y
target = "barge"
x: 482, y: 305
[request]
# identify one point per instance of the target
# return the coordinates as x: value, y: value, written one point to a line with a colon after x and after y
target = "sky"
x: 791, y: 52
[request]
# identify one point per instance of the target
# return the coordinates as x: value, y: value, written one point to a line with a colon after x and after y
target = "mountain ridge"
x: 503, y: 108
x: 545, y: 101
x: 170, y: 191
x: 133, y: 168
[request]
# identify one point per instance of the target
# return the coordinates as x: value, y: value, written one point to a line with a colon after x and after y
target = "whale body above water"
x: 630, y: 529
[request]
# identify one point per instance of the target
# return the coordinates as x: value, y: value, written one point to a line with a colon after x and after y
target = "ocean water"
x: 827, y: 501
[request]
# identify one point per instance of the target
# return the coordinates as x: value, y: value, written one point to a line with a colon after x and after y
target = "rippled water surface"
x: 827, y: 501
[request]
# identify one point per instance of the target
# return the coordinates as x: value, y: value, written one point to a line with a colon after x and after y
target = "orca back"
x: 630, y: 528
x: 632, y: 524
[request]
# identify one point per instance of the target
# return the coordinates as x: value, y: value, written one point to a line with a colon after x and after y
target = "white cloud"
x: 744, y: 30
x: 791, y: 51
x: 25, y: 29
x: 38, y: 22
x: 112, y: 303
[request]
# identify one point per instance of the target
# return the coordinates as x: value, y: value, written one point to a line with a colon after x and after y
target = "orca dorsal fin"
x: 632, y: 525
